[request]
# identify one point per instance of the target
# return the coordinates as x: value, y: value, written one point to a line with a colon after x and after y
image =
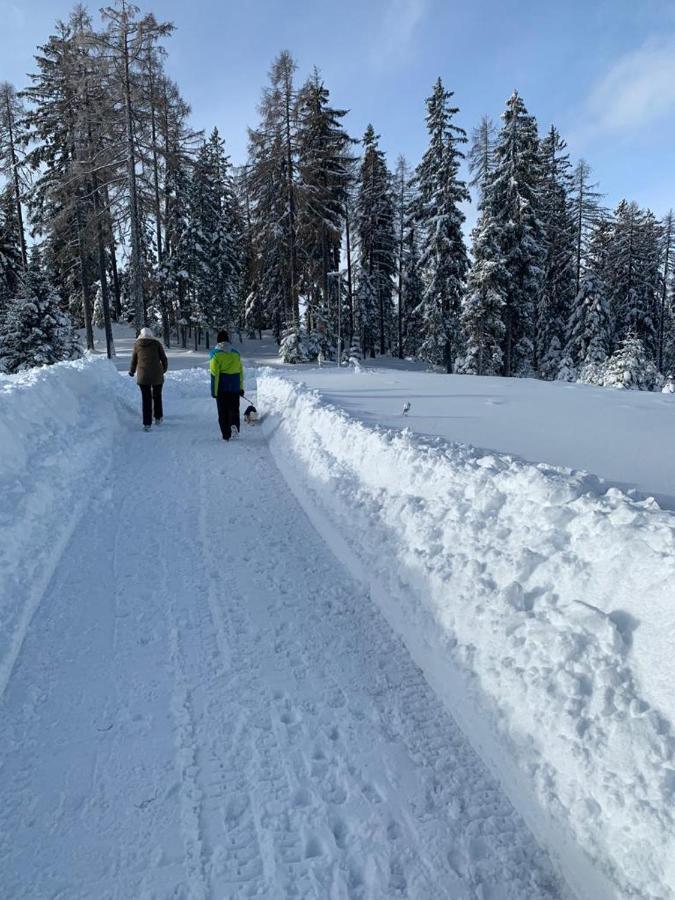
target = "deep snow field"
x: 347, y: 656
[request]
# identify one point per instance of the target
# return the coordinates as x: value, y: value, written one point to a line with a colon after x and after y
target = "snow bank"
x: 515, y: 587
x: 56, y: 430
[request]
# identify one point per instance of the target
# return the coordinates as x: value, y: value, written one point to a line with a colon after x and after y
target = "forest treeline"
x: 114, y: 208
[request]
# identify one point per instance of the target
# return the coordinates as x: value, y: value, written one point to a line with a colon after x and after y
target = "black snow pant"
x: 152, y: 398
x: 228, y: 412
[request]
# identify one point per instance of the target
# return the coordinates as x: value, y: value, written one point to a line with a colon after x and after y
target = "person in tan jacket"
x: 148, y: 364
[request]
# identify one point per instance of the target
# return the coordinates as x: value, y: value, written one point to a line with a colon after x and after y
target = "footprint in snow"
x: 313, y: 848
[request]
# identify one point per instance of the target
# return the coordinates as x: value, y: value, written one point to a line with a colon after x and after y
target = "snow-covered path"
x: 207, y: 705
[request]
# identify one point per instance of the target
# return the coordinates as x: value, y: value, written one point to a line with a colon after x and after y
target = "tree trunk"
x: 100, y: 243
x: 294, y: 300
x: 86, y: 296
x: 136, y: 274
x: 112, y: 250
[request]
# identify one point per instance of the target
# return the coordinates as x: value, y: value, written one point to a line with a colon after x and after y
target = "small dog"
x: 250, y: 415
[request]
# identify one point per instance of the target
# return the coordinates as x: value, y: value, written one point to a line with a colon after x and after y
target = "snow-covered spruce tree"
x: 403, y: 198
x: 483, y: 303
x: 34, y: 331
x: 12, y: 115
x: 444, y: 259
x: 630, y: 368
x: 558, y: 275
x: 413, y: 288
x: 324, y: 170
x: 632, y: 276
x: 485, y: 295
x: 10, y: 248
x: 251, y: 312
x: 216, y: 238
x: 270, y: 229
x: 587, y: 332
x: 173, y: 274
x: 273, y: 191
x: 376, y: 248
x: 511, y: 202
x: 567, y: 370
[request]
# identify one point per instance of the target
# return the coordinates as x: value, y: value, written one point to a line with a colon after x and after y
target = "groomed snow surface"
x: 236, y: 670
x: 199, y: 700
x: 538, y: 602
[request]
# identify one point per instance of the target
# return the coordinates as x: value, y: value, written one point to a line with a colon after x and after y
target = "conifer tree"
x: 485, y: 296
x: 484, y: 302
x: 59, y: 201
x: 407, y: 251
x: 586, y: 211
x: 444, y: 259
x: 12, y: 113
x: 10, y: 248
x: 324, y: 167
x: 126, y: 40
x: 588, y: 328
x: 632, y: 276
x: 513, y: 203
x: 273, y: 192
x: 377, y: 250
x: 666, y: 274
x: 413, y: 288
x: 558, y: 275
x: 481, y: 155
x: 631, y: 368
x: 34, y: 331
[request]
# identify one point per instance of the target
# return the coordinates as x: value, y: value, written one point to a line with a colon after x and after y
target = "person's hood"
x: 225, y: 347
x: 146, y: 342
x: 147, y: 334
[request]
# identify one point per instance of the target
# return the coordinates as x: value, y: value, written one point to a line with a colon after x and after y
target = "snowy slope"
x: 206, y: 703
x: 626, y: 437
x: 539, y: 605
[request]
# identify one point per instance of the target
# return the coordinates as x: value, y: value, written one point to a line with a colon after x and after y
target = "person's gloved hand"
x: 241, y: 392
x: 131, y: 374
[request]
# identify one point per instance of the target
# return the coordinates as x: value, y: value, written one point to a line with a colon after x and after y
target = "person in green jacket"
x: 227, y: 383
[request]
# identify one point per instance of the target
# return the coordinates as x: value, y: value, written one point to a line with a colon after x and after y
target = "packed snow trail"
x: 207, y: 705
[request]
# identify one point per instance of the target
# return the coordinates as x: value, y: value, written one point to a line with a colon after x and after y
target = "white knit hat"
x: 146, y: 333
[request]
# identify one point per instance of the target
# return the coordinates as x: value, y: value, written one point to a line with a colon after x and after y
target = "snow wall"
x: 57, y: 425
x: 498, y: 575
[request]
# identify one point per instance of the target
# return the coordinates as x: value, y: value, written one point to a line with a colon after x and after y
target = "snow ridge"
x: 56, y: 431
x: 495, y: 573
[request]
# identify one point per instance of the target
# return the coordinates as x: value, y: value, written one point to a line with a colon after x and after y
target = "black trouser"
x: 228, y: 412
x: 152, y: 397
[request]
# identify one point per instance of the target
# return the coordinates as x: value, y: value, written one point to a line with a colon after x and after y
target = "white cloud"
x: 638, y: 89
x: 401, y: 19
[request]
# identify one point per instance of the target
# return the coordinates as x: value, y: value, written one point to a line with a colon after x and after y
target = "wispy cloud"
x: 399, y: 26
x: 637, y: 90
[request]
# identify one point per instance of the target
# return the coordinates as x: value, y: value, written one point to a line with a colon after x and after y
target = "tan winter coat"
x: 148, y: 361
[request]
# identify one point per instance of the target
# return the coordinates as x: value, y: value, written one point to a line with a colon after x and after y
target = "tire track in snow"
x: 461, y: 828
x: 309, y: 784
x: 305, y: 756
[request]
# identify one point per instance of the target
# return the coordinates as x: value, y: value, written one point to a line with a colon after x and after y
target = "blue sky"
x: 602, y: 70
